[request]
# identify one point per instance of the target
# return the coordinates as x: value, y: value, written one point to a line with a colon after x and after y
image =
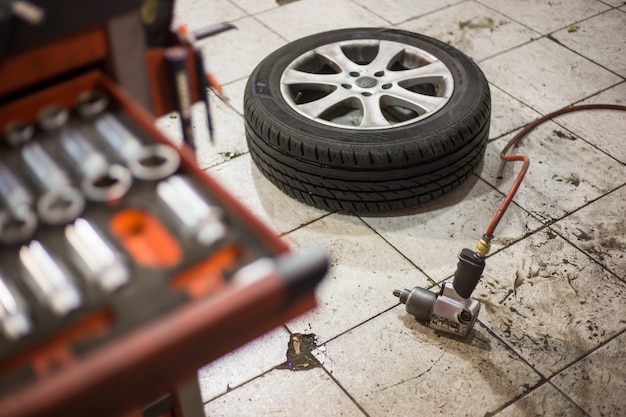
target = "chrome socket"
x: 52, y: 117
x: 100, y: 181
x: 49, y: 279
x: 91, y: 103
x: 59, y: 202
x: 14, y: 320
x: 196, y: 218
x: 95, y: 257
x: 146, y: 162
x: 18, y: 220
x: 17, y: 133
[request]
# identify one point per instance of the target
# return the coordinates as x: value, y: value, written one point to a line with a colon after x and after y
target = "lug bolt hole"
x: 346, y: 86
x: 366, y: 94
x: 379, y: 74
x: 354, y: 74
x: 386, y: 86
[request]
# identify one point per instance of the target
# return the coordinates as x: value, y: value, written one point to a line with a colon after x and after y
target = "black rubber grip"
x: 469, y: 269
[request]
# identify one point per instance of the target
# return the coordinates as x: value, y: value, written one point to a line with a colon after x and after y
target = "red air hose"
x: 520, y: 176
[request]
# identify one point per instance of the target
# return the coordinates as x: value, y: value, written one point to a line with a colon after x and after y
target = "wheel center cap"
x: 366, y: 82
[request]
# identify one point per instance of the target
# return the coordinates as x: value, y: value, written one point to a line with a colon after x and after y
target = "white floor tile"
x: 473, y: 28
x: 256, y: 6
x: 507, y: 113
x: 597, y: 382
x: 601, y: 39
x: 565, y: 172
x: 394, y: 366
x: 601, y: 127
x: 549, y: 301
x: 544, y: 401
x: 288, y: 393
x: 249, y: 186
x: 364, y: 272
x: 228, y: 133
x: 307, y: 17
x: 546, y: 76
x: 197, y: 15
x: 397, y: 11
x: 598, y: 230
x: 243, y: 364
x: 547, y: 16
x: 433, y: 235
x: 234, y: 54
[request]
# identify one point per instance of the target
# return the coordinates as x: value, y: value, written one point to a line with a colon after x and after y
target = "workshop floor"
x: 551, y: 335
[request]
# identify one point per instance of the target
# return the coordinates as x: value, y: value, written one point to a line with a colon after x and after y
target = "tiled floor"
x: 551, y: 336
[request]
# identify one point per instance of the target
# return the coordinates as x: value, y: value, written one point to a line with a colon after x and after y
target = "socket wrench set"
x: 102, y: 228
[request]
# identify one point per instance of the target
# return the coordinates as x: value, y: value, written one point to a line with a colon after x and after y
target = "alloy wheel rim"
x: 366, y: 84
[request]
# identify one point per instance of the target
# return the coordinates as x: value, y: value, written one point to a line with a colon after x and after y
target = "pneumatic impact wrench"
x: 452, y: 310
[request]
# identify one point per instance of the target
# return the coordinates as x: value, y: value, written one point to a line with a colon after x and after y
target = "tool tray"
x: 186, y: 301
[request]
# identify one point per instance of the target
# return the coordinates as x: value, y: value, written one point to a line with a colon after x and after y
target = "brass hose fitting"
x: 484, y: 246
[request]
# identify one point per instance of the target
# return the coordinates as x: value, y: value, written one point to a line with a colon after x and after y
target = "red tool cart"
x: 123, y: 266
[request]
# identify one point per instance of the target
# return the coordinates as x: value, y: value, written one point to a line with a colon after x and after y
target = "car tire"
x: 367, y: 120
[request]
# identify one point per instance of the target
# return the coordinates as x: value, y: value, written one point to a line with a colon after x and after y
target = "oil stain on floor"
x: 300, y: 355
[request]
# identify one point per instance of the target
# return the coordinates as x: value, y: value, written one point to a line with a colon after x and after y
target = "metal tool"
x: 91, y: 103
x: 14, y: 319
x: 59, y: 201
x: 95, y: 257
x: 195, y: 216
x: 17, y: 133
x: 146, y: 162
x: 49, y: 279
x: 452, y: 310
x: 52, y: 117
x: 99, y: 179
x: 176, y: 58
x: 203, y: 91
x: 18, y: 221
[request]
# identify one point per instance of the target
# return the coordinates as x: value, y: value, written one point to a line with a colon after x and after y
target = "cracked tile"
x: 565, y: 172
x: 598, y: 229
x: 549, y: 301
x: 597, y: 383
x: 547, y: 16
x: 283, y: 392
x: 601, y: 39
x: 433, y: 235
x: 473, y: 28
x: 299, y: 19
x: 246, y: 183
x: 546, y: 76
x: 409, y: 367
x: 364, y: 272
x: 544, y: 401
x: 243, y: 364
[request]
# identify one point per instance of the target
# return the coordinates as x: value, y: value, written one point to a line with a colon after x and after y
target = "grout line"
x: 345, y: 391
x: 428, y: 277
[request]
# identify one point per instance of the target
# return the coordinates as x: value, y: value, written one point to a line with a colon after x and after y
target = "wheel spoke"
x: 316, y: 108
x: 419, y: 103
x: 372, y: 113
x: 292, y: 76
x: 386, y: 52
x: 334, y: 53
x: 435, y: 70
